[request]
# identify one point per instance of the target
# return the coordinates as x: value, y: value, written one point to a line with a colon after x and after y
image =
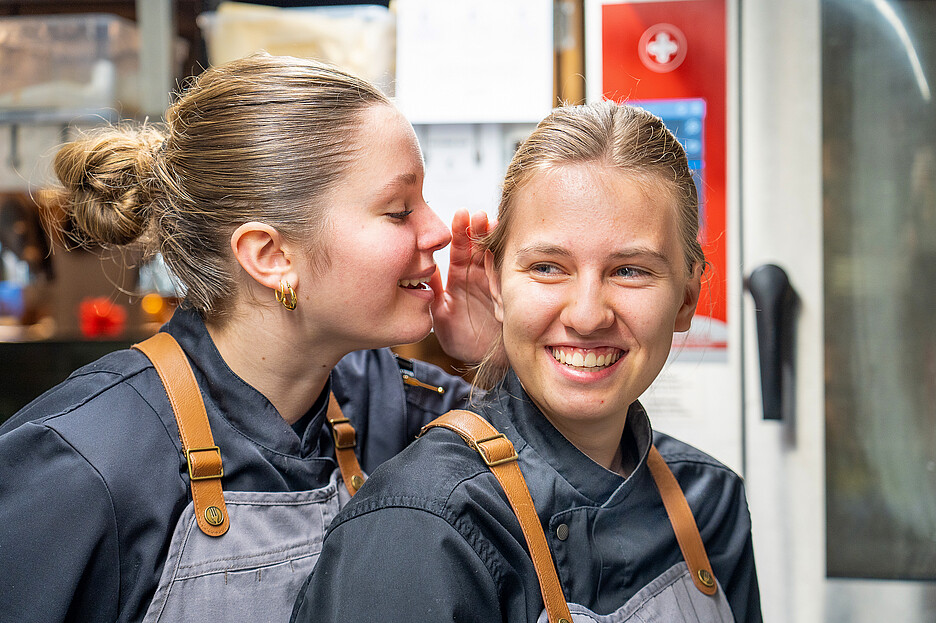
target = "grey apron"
x: 253, y: 572
x: 239, y: 555
x: 670, y: 598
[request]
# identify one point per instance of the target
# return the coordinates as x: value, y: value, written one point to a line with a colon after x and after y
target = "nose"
x: 433, y: 234
x: 585, y: 309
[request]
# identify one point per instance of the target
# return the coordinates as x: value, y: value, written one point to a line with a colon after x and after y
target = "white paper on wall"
x: 474, y: 61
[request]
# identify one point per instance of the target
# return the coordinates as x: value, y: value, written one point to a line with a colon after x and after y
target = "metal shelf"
x: 53, y: 116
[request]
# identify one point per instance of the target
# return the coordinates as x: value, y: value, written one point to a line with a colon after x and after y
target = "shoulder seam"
x: 681, y: 457
x: 174, y: 440
x: 120, y: 377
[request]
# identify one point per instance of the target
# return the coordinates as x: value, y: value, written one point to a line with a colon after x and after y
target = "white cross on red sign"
x: 662, y: 48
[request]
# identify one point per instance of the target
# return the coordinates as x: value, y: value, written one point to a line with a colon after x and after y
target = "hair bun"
x: 107, y: 178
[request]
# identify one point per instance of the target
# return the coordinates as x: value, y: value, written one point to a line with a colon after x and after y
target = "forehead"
x: 385, y: 158
x: 592, y: 204
x: 384, y: 133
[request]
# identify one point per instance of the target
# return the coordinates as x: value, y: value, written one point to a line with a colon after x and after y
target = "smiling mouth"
x: 414, y: 284
x: 586, y: 357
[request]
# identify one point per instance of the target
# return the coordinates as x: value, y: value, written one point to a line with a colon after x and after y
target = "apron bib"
x: 253, y: 572
x: 239, y: 555
x: 670, y: 598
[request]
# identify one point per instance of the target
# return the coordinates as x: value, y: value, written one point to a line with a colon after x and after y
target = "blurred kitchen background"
x: 811, y: 127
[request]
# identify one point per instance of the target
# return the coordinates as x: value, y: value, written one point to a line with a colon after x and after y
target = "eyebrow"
x: 389, y: 191
x: 403, y: 179
x: 556, y: 250
x: 543, y: 249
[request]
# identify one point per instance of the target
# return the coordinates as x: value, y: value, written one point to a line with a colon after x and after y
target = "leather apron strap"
x: 499, y: 455
x: 345, y: 442
x: 683, y: 522
x: 202, y: 455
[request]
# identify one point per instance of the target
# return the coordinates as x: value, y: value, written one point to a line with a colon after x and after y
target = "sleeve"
x: 740, y: 575
x: 732, y: 558
x: 58, y: 542
x: 742, y: 589
x: 397, y: 565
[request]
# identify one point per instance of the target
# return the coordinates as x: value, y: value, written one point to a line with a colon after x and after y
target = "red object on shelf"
x: 101, y: 317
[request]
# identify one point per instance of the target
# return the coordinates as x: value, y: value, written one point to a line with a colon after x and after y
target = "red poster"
x: 670, y: 57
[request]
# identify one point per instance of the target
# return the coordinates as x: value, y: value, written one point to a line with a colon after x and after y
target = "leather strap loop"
x: 345, y: 442
x: 202, y: 455
x: 683, y: 522
x: 499, y: 454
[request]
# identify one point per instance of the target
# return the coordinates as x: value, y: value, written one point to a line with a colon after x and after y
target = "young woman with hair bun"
x: 285, y: 196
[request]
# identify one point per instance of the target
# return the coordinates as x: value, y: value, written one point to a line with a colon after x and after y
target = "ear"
x: 690, y: 300
x: 494, y: 285
x: 260, y: 251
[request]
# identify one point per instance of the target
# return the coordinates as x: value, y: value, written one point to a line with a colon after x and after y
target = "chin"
x: 589, y: 408
x: 413, y: 331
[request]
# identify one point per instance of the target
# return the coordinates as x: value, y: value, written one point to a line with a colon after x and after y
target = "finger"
x: 435, y: 284
x: 480, y: 228
x: 461, y: 223
x: 460, y: 251
x: 479, y: 225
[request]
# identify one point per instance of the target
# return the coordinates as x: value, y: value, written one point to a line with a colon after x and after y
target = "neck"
x: 598, y: 440
x: 276, y: 358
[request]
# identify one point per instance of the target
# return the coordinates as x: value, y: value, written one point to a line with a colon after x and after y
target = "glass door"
x: 879, y: 134
x: 838, y: 185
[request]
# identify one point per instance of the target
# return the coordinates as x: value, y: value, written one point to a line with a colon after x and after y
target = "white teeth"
x: 412, y: 283
x: 589, y: 360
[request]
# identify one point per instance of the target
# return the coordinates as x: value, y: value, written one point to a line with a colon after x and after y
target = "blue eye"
x: 629, y: 272
x: 545, y: 269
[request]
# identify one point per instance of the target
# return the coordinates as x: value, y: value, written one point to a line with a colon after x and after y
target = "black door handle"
x: 775, y: 304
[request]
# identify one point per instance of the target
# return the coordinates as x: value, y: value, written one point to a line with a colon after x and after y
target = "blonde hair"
x: 619, y: 136
x: 262, y: 138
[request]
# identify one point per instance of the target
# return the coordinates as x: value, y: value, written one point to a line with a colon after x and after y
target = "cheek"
x: 373, y: 257
x: 528, y: 311
x: 650, y: 314
x: 397, y: 247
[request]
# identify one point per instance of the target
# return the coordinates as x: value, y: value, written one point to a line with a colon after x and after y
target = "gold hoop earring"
x: 286, y: 295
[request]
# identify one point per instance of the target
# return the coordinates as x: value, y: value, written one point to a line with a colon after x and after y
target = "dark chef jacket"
x: 431, y: 537
x: 93, y: 480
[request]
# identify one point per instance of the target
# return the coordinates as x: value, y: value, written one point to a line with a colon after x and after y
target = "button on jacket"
x: 93, y: 480
x: 431, y: 536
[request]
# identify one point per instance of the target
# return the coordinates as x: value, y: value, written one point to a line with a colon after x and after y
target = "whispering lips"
x: 414, y: 284
x: 586, y: 357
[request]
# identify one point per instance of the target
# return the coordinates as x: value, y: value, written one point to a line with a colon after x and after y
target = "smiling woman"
x: 593, y: 265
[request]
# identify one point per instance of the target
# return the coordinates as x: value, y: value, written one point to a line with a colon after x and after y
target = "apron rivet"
x: 214, y: 516
x: 706, y: 578
x: 356, y: 482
